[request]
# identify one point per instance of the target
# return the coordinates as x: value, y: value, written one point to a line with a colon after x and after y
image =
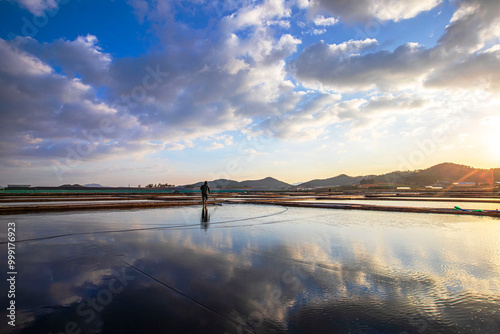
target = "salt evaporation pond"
x: 254, y: 268
x: 34, y: 203
x: 413, y: 203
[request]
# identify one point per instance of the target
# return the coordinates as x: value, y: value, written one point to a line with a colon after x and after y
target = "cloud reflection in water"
x: 303, y: 270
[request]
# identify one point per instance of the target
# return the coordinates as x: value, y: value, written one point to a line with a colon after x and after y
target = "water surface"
x: 79, y: 202
x: 414, y: 203
x: 254, y: 268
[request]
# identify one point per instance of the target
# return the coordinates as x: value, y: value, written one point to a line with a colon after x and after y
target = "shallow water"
x: 254, y: 268
x: 414, y: 203
x: 98, y: 201
x: 458, y: 199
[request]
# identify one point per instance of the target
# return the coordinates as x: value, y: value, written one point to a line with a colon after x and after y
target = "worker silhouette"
x: 205, y: 190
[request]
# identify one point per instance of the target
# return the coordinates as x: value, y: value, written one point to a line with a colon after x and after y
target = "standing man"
x: 205, y: 190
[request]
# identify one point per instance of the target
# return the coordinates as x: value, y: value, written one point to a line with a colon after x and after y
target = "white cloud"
x: 82, y: 57
x: 175, y: 147
x: 161, y: 99
x: 341, y: 66
x: 241, y: 76
x: 21, y: 63
x: 364, y: 10
x: 307, y: 123
x: 233, y: 65
x: 38, y: 7
x: 263, y: 14
x: 46, y: 113
x: 478, y: 71
x: 322, y: 21
x: 464, y: 11
x: 318, y: 31
x: 141, y: 9
x: 215, y: 146
x: 352, y: 46
x: 226, y: 139
x: 303, y: 3
x: 466, y: 53
x: 394, y: 104
x: 474, y: 26
x: 494, y: 48
x: 252, y: 151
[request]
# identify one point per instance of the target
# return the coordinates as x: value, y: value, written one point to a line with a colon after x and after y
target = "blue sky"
x: 137, y: 92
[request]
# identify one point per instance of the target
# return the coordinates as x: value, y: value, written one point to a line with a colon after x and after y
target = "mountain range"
x: 444, y: 172
x: 267, y: 183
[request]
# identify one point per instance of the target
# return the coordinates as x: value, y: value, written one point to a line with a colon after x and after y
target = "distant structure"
x: 466, y: 184
x: 159, y: 185
x: 18, y: 186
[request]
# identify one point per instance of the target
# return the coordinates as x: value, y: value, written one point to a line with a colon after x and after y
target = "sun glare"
x: 491, y: 138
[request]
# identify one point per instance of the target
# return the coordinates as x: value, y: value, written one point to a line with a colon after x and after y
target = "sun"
x: 490, y: 134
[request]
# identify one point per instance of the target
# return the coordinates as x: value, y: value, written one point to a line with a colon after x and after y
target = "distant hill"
x: 496, y: 174
x: 266, y: 183
x: 340, y: 180
x: 447, y: 171
x: 219, y: 183
x: 69, y: 186
x: 452, y: 173
x: 396, y: 177
x: 77, y: 186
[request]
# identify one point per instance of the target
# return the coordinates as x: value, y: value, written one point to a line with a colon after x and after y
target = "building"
x: 465, y: 184
x: 18, y: 186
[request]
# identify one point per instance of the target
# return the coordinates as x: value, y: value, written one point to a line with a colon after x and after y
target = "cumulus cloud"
x: 45, y: 121
x: 141, y: 9
x: 364, y: 10
x: 160, y: 100
x: 82, y: 57
x: 262, y: 14
x: 400, y: 103
x: 175, y: 147
x: 470, y: 45
x: 215, y: 146
x: 318, y: 31
x: 308, y: 122
x: 325, y: 21
x: 37, y: 7
x: 467, y: 52
x: 21, y: 62
x: 478, y: 71
x: 342, y: 67
x: 475, y: 25
x: 242, y: 75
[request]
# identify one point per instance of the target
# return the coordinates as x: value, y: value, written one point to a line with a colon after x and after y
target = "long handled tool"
x: 215, y: 201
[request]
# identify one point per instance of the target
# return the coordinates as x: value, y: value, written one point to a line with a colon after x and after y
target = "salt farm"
x: 257, y: 263
x: 258, y: 166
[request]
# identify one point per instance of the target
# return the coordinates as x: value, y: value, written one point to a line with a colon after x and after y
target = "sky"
x: 178, y: 91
